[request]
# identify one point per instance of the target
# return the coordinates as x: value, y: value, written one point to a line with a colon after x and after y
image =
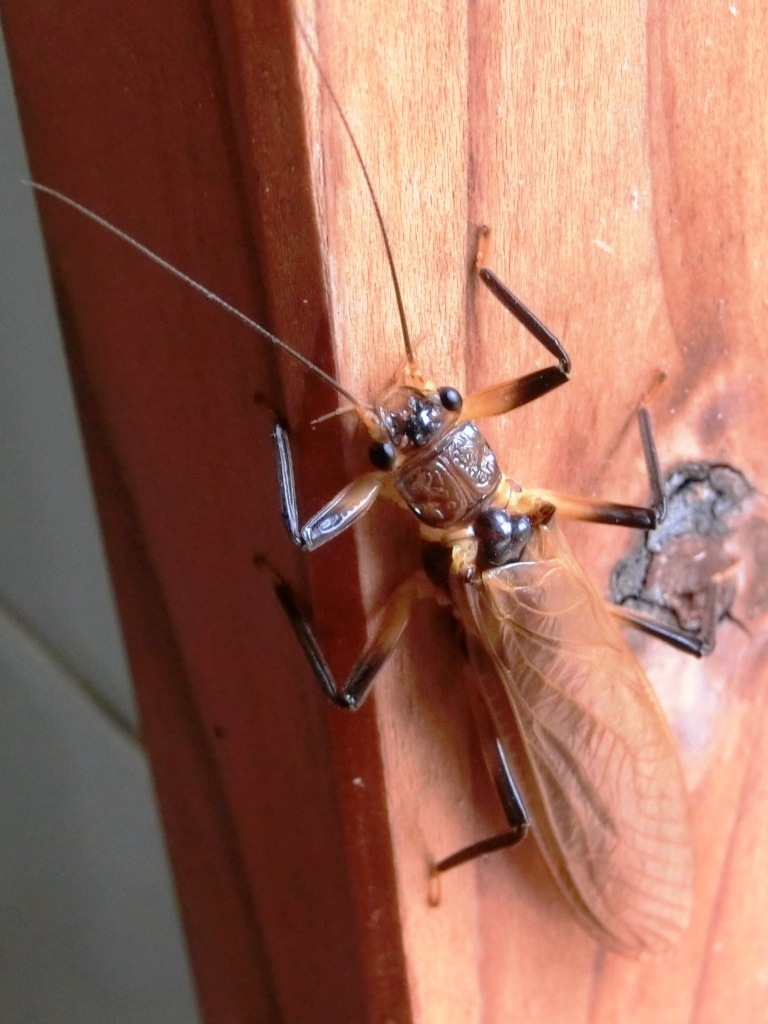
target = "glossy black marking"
x: 502, y: 537
x: 411, y: 417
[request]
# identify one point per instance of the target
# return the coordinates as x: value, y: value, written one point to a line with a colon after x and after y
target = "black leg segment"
x: 392, y: 621
x: 527, y: 318
x: 502, y: 398
x: 514, y: 809
x: 610, y: 513
x: 699, y: 644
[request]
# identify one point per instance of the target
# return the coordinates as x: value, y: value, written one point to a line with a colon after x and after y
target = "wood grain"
x: 626, y: 208
x: 618, y: 154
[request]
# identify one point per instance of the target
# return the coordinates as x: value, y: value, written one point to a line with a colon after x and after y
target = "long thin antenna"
x: 390, y: 258
x: 211, y: 296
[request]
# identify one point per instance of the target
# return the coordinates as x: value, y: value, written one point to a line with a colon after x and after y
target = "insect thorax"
x: 451, y: 480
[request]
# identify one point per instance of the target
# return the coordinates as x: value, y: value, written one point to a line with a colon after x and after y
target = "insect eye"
x: 382, y: 454
x: 502, y: 538
x: 450, y: 399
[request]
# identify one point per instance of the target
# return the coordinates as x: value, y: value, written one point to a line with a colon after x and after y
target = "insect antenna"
x: 341, y: 411
x: 369, y: 185
x: 198, y: 287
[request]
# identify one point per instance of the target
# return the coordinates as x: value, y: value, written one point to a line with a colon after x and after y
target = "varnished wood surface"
x: 619, y: 156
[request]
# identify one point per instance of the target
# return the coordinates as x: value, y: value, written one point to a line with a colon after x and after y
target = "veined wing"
x: 603, y: 783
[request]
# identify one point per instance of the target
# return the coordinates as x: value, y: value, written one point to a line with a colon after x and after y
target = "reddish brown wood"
x: 620, y: 159
x: 183, y: 125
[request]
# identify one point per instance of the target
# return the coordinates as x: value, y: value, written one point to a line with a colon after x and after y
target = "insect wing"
x: 601, y: 778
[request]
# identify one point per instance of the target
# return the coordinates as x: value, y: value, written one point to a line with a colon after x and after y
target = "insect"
x: 571, y: 731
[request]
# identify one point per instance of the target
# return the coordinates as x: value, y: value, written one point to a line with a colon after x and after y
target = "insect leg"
x: 514, y: 809
x: 340, y: 512
x: 393, y: 619
x: 700, y: 644
x: 502, y: 398
x: 613, y: 513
